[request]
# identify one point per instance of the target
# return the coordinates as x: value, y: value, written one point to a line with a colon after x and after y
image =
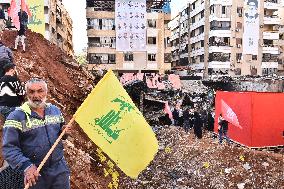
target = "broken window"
x: 151, y: 57
x: 152, y: 23
x: 96, y: 58
x: 152, y: 40
x: 128, y: 57
x: 101, y: 24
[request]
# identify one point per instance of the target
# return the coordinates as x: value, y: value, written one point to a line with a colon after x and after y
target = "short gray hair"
x: 35, y: 80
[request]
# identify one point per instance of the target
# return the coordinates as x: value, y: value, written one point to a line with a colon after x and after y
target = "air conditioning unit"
x: 238, y: 61
x: 239, y: 45
x: 237, y: 29
x: 240, y: 14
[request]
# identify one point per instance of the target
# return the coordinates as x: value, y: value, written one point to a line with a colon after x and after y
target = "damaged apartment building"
x: 227, y: 37
x: 53, y: 22
x: 142, y: 47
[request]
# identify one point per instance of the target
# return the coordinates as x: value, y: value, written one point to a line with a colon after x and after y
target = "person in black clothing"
x: 23, y: 17
x: 210, y: 122
x: 11, y: 91
x: 177, y: 116
x: 6, y: 56
x: 197, y: 125
x: 223, y: 129
x: 186, y: 122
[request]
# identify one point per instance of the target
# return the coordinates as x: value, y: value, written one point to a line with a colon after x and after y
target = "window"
x: 128, y: 57
x: 254, y: 57
x: 96, y: 58
x: 202, y: 43
x: 239, y: 41
x: 152, y: 23
x: 202, y: 14
x: 202, y: 58
x: 193, y: 20
x: 152, y: 40
x: 239, y: 57
x: 240, y: 11
x: 223, y: 9
x: 239, y: 25
x: 101, y: 24
x: 151, y: 57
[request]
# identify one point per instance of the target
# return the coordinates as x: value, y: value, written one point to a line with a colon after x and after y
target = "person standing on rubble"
x: 223, y: 129
x: 177, y: 115
x: 11, y: 91
x: 23, y: 17
x: 28, y: 135
x: 2, y: 21
x: 186, y: 122
x: 197, y: 124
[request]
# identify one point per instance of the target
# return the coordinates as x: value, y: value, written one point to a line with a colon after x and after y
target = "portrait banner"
x: 251, y: 27
x: 130, y: 21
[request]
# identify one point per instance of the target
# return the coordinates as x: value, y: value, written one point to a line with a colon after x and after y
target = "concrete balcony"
x: 219, y: 65
x: 269, y: 65
x: 197, y: 38
x: 197, y: 52
x: 101, y: 50
x: 220, y: 19
x: 271, y: 6
x: 270, y: 50
x: 99, y: 33
x: 151, y: 65
x: 271, y: 20
x: 221, y: 49
x: 220, y: 33
x: 197, y: 24
x: 197, y: 10
x: 198, y: 66
x: 221, y: 2
x: 271, y: 35
x: 128, y: 65
x: 152, y: 48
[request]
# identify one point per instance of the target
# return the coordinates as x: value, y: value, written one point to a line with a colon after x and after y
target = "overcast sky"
x: 77, y: 12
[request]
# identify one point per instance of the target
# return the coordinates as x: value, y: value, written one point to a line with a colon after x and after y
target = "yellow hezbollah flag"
x: 37, y: 21
x: 111, y: 120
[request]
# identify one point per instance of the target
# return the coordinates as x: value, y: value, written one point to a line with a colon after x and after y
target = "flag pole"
x: 52, y: 148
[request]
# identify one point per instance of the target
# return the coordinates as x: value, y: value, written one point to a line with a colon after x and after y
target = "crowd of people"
x: 31, y: 125
x: 198, y: 119
x: 192, y: 118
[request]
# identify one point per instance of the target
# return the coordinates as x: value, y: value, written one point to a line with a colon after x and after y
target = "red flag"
x: 229, y: 114
x: 167, y: 110
x: 13, y: 13
x: 25, y: 7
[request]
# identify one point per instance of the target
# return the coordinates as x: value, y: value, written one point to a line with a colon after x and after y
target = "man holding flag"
x: 29, y: 132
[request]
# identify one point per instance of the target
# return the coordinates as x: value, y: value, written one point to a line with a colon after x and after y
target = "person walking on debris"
x: 177, y: 115
x: 186, y: 122
x: 28, y: 134
x: 23, y: 17
x: 197, y: 125
x: 11, y: 91
x: 223, y: 129
x: 6, y: 57
x: 2, y: 21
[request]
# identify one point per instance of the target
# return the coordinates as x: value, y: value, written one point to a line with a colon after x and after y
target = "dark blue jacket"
x: 27, y: 138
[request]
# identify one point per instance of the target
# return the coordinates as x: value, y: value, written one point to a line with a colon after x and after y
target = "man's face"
x: 36, y: 94
x: 252, y: 9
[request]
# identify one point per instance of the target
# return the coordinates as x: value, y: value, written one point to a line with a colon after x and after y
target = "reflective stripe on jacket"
x: 27, y: 138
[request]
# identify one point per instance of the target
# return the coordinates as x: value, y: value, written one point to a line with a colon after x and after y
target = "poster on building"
x: 37, y: 20
x: 251, y: 27
x: 130, y: 21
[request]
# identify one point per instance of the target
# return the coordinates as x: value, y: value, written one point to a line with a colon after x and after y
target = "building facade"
x: 101, y: 31
x: 58, y: 24
x: 216, y: 38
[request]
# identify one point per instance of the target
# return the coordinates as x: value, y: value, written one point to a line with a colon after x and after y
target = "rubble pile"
x: 185, y: 162
x: 181, y: 162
